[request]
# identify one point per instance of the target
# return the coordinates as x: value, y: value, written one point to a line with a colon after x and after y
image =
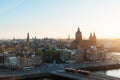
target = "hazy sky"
x: 59, y: 18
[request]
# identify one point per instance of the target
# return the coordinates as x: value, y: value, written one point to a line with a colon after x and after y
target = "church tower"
x: 78, y: 35
x: 94, y: 39
x: 90, y: 37
x: 28, y: 40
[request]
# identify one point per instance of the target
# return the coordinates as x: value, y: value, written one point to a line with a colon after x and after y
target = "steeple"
x: 27, y: 41
x: 94, y: 36
x: 90, y: 37
x: 93, y: 40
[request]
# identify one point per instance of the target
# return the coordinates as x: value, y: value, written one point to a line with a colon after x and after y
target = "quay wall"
x: 101, y: 67
x: 26, y: 76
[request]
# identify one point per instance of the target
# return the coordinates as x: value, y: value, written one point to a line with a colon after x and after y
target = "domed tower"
x: 78, y: 35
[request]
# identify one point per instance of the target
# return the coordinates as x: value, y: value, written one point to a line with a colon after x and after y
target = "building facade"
x: 79, y: 42
x: 86, y: 49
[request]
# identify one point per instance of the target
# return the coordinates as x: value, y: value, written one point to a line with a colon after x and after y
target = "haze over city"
x: 59, y: 18
x: 59, y: 40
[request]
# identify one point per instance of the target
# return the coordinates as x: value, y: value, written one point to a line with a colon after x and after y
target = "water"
x: 113, y: 73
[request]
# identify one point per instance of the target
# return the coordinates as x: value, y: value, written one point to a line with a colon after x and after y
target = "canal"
x: 115, y: 72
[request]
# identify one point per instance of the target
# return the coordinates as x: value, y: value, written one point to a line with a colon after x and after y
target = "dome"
x: 78, y: 34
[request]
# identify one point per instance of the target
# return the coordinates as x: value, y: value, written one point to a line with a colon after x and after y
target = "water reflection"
x: 113, y: 73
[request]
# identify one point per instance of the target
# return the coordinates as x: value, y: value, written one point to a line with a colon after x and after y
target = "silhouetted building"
x: 92, y: 39
x: 28, y: 40
x: 82, y: 45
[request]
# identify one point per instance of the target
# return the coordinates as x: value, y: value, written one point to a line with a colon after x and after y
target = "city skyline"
x: 58, y: 19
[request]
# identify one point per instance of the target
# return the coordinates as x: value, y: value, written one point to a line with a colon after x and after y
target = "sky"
x: 59, y: 18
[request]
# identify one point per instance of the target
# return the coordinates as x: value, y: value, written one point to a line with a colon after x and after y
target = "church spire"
x: 27, y: 41
x: 94, y: 36
x: 90, y: 37
x: 93, y: 40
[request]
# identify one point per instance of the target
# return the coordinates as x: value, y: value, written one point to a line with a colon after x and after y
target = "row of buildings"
x: 37, y: 51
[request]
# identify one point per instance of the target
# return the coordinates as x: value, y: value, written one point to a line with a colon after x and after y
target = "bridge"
x: 56, y: 70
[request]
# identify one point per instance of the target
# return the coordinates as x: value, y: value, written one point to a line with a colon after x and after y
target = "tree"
x: 2, y: 50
